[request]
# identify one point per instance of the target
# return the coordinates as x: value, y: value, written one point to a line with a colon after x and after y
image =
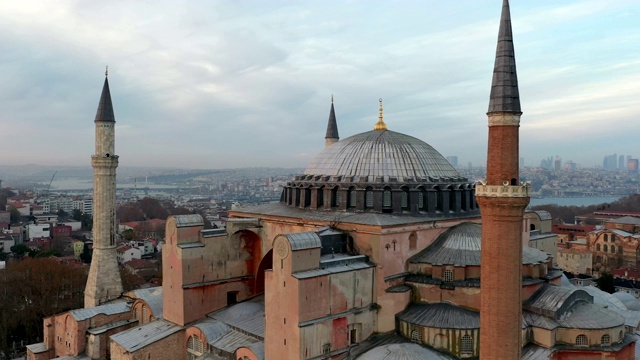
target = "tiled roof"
x: 107, y: 309
x: 138, y: 337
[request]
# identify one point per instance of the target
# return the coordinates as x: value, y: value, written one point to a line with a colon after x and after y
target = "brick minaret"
x: 502, y: 201
x: 104, y: 281
x: 332, y: 128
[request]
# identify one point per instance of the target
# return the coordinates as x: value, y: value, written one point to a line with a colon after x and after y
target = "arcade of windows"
x: 442, y: 198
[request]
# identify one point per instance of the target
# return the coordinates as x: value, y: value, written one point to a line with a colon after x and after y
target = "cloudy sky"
x: 224, y: 84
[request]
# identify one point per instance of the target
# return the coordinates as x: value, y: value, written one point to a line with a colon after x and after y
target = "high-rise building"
x: 621, y: 164
x: 502, y: 200
x: 104, y: 282
x: 453, y: 160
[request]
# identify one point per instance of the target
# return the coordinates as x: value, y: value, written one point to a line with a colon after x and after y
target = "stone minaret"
x: 332, y: 128
x: 104, y: 281
x: 502, y: 201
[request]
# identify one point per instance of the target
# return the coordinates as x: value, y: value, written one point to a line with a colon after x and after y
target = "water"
x: 574, y: 201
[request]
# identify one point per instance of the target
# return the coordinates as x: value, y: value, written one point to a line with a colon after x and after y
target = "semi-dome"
x: 382, y: 153
x: 460, y: 246
x: 402, y: 351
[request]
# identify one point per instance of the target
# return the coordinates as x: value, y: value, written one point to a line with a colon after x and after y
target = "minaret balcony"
x: 502, y: 190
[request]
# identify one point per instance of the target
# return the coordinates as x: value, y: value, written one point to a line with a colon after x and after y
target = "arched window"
x: 605, y: 340
x: 404, y: 199
x: 463, y: 199
x: 597, y: 247
x: 439, y: 199
x: 335, y: 197
x: 619, y: 249
x: 422, y: 199
x: 307, y: 197
x: 297, y: 197
x: 136, y: 315
x: 195, y: 348
x: 466, y: 345
x: 368, y: 198
x: 606, y: 237
x: 413, y: 241
x: 320, y: 197
x: 448, y: 275
x: 415, y: 336
x: 613, y: 249
x: 613, y: 237
x: 351, y: 197
x: 605, y: 248
x: 386, y: 198
x: 582, y: 340
x: 620, y: 336
x: 598, y: 259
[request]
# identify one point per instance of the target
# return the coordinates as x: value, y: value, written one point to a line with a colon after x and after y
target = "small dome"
x: 460, y: 246
x: 403, y: 351
x: 381, y: 153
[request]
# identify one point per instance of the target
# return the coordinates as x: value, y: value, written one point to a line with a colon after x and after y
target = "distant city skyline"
x: 249, y: 83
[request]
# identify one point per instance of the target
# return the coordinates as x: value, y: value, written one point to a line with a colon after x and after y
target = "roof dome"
x: 381, y: 153
x: 460, y: 246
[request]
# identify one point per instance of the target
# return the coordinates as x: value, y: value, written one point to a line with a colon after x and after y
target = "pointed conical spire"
x: 105, y: 108
x: 332, y: 126
x: 504, y: 88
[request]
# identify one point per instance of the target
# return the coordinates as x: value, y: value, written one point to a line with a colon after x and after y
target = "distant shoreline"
x: 574, y: 200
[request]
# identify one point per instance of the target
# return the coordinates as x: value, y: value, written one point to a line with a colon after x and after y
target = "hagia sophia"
x: 379, y: 250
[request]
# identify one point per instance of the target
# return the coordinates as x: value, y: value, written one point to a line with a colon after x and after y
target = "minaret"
x: 502, y: 200
x: 104, y: 281
x: 332, y: 128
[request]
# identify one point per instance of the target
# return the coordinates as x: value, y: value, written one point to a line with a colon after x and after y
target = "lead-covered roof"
x: 386, y: 153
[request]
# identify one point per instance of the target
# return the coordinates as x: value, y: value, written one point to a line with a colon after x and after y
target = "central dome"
x: 383, y: 153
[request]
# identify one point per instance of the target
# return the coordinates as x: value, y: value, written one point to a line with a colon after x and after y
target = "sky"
x: 228, y: 84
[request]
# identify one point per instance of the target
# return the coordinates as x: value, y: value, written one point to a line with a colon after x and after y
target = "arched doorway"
x: 265, y: 264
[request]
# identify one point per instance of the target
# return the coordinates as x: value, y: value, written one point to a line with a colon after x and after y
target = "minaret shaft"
x: 502, y: 200
x: 104, y: 282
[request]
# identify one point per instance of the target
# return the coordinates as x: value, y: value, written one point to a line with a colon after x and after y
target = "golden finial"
x: 106, y: 71
x: 380, y: 125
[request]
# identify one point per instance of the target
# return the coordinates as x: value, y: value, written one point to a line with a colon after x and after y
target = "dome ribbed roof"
x: 403, y: 351
x: 381, y: 153
x: 460, y: 246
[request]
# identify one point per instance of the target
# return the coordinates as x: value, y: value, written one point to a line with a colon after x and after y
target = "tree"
x: 86, y: 255
x: 34, y: 289
x: 19, y: 250
x: 14, y: 214
x: 605, y: 282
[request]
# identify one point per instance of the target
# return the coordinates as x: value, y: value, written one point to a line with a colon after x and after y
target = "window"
x: 195, y: 348
x: 605, y: 248
x: 368, y: 198
x: 320, y: 197
x: 466, y: 345
x: 613, y: 238
x: 597, y: 247
x: 404, y: 199
x: 448, y: 275
x: 386, y: 198
x: 413, y: 241
x: 619, y: 249
x: 606, y: 237
x: 605, y: 340
x: 415, y: 336
x: 613, y: 249
x: 335, y: 197
x: 351, y: 197
x: 326, y: 348
x: 582, y: 340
